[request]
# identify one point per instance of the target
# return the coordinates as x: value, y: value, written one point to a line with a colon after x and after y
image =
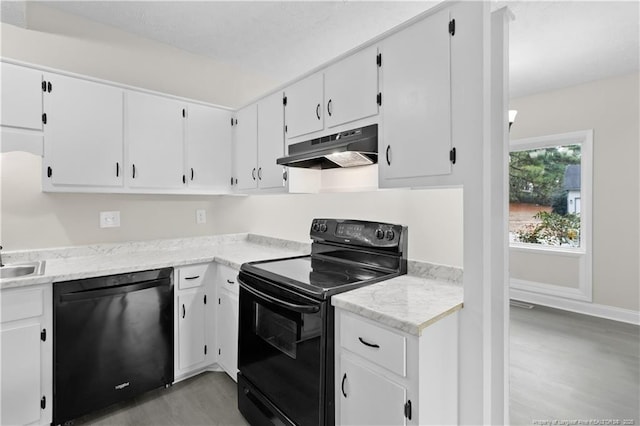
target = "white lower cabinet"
x: 194, y: 319
x: 26, y: 362
x: 369, y: 398
x: 227, y: 320
x: 384, y: 376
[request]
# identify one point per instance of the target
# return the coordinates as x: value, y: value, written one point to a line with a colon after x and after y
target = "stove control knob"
x: 315, y: 227
x: 390, y: 235
x: 379, y: 234
x: 323, y: 227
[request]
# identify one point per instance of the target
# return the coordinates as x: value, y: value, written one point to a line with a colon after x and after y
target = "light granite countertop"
x: 71, y: 263
x: 408, y: 303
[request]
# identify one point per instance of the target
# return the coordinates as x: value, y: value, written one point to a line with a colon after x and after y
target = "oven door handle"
x: 303, y: 309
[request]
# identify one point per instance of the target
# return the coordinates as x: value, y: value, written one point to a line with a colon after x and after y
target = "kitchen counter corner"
x: 408, y: 303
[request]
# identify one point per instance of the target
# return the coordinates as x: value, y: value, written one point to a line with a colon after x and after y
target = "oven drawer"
x: 191, y: 276
x: 377, y: 344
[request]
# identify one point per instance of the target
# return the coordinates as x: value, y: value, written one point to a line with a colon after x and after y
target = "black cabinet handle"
x: 184, y: 179
x: 284, y: 175
x: 184, y: 311
x: 230, y: 282
x: 195, y: 277
x: 388, y: 155
x: 329, y: 107
x: 260, y: 173
x: 134, y: 171
x: 192, y: 173
x: 318, y: 111
x: 253, y: 173
x: 342, y: 386
x: 49, y: 171
x: 371, y: 345
x: 117, y: 169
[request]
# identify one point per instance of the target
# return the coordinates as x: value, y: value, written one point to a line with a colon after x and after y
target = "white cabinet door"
x: 208, y: 144
x: 227, y: 331
x: 26, y: 371
x: 304, y: 110
x: 416, y: 101
x: 191, y: 328
x: 21, y: 97
x: 367, y: 398
x: 83, y: 134
x: 246, y: 144
x: 351, y: 88
x: 154, y: 138
x: 21, y: 389
x: 270, y: 141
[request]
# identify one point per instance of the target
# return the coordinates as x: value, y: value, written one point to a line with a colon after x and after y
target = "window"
x: 549, y: 191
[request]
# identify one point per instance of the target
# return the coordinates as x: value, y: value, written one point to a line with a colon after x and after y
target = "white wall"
x: 434, y: 217
x: 610, y: 108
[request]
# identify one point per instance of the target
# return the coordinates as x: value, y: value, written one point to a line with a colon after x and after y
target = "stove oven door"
x: 281, y: 355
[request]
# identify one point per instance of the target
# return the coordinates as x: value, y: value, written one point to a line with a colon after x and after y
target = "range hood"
x: 357, y: 147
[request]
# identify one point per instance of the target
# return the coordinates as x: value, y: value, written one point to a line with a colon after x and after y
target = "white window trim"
x: 584, y: 291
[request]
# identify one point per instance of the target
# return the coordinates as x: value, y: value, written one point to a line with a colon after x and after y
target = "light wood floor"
x: 572, y: 367
x: 564, y: 366
x: 207, y: 399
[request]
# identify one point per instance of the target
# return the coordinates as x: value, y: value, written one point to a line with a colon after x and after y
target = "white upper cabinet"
x: 154, y: 136
x: 416, y: 109
x: 21, y: 97
x: 246, y: 141
x: 305, y: 109
x: 208, y: 147
x: 83, y: 133
x: 270, y: 141
x: 351, y: 88
x: 259, y: 142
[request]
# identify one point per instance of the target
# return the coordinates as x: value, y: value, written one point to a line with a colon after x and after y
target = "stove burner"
x: 324, y: 278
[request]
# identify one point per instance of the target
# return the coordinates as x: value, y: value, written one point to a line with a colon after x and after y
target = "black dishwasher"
x: 113, y: 340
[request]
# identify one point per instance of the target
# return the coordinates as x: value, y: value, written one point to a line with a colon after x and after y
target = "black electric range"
x: 285, y: 343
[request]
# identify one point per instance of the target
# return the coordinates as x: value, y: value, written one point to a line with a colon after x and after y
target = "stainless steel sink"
x: 25, y: 269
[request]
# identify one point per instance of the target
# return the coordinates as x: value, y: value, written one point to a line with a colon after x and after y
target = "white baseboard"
x: 593, y: 309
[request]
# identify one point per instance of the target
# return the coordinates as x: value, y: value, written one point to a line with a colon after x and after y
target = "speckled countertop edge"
x: 70, y: 263
x: 409, y: 303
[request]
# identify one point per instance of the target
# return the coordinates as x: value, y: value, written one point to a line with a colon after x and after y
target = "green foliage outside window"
x: 536, y: 179
x: 535, y: 176
x: 554, y: 230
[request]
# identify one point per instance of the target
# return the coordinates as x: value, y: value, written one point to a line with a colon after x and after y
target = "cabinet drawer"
x: 191, y: 276
x: 377, y: 344
x: 21, y: 304
x: 228, y: 278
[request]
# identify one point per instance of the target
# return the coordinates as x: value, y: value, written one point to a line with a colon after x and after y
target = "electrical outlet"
x: 109, y: 219
x: 201, y: 216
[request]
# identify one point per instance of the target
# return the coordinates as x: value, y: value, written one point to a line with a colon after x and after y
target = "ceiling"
x: 553, y: 44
